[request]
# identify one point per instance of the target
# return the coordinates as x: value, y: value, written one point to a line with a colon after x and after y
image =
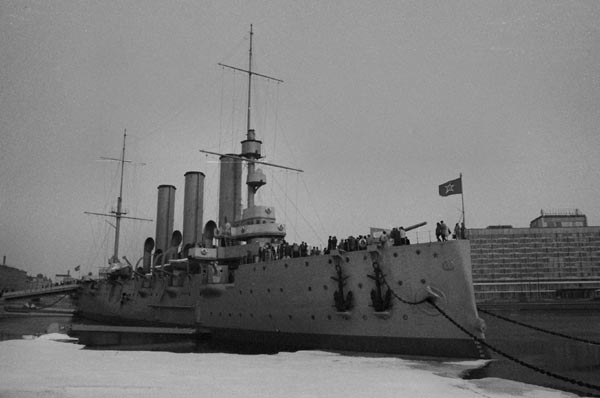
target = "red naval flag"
x: 451, y: 187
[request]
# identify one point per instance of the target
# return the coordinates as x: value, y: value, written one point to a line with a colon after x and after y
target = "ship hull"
x: 290, y: 303
x: 405, y: 346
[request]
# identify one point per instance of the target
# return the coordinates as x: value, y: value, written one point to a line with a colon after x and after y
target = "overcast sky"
x: 382, y: 101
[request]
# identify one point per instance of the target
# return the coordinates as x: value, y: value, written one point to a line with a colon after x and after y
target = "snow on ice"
x: 44, y: 367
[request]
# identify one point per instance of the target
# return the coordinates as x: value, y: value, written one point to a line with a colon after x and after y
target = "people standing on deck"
x: 438, y: 232
x: 457, y: 231
x: 383, y: 239
x: 402, y: 234
x: 445, y: 231
x: 395, y: 236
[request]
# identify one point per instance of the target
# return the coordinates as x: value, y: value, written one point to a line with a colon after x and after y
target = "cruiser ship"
x: 236, y: 277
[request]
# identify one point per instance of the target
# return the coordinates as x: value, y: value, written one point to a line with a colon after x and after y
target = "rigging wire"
x: 296, y: 186
x: 315, y: 212
x: 221, y: 109
x: 317, y: 236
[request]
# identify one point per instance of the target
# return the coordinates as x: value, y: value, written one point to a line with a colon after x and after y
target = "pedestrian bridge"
x: 46, y: 291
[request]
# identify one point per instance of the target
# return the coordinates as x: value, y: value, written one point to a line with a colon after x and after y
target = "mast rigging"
x: 119, y: 213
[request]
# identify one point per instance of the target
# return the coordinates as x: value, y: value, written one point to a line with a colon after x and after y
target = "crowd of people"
x: 286, y: 250
x: 442, y: 231
x: 396, y: 237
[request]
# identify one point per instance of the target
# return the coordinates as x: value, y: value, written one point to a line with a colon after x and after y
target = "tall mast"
x: 250, y: 136
x: 249, y: 79
x: 119, y: 212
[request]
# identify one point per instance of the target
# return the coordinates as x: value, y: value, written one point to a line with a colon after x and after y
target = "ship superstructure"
x: 238, y: 278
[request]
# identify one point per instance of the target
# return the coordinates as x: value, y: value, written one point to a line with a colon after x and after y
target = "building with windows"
x: 559, y: 219
x: 557, y: 258
x: 11, y: 279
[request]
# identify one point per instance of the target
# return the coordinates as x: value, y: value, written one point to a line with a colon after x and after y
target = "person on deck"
x: 402, y: 235
x: 445, y: 231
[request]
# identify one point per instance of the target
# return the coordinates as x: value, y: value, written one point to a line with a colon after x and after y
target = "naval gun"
x: 415, y: 226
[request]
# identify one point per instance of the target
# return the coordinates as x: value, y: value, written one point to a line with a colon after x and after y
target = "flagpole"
x: 462, y: 197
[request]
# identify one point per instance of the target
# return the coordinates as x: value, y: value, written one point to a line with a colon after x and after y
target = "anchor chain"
x: 382, y: 280
x: 539, y: 329
x: 431, y: 301
x: 514, y: 359
x: 53, y: 303
x: 426, y: 299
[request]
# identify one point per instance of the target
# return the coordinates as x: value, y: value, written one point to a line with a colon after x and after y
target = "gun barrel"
x: 415, y: 226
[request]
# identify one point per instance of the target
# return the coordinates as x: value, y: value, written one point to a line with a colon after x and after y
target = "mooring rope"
x: 587, y: 341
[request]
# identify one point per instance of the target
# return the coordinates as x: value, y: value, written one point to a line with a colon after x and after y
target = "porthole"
x: 310, y: 289
x: 405, y: 317
x: 329, y: 317
x: 418, y: 252
x: 360, y: 285
x: 395, y: 254
x: 268, y: 290
x: 289, y: 316
x: 364, y: 317
x: 281, y: 289
x: 399, y: 283
x: 347, y: 259
x: 285, y: 265
x: 325, y: 287
x: 329, y: 261
x: 423, y: 281
x: 306, y: 263
x: 312, y: 317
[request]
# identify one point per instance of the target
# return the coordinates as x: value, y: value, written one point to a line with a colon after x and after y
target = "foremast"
x: 119, y: 213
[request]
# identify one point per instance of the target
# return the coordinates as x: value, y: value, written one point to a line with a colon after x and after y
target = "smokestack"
x: 148, y: 247
x: 230, y: 191
x: 193, y: 208
x: 165, y: 216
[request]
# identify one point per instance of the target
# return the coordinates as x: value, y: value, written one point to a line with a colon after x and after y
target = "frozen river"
x: 42, y: 367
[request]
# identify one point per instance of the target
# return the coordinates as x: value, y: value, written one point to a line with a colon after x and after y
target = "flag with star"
x: 452, y: 187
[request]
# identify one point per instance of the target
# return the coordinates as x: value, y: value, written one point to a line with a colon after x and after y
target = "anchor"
x: 380, y: 303
x: 342, y: 303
